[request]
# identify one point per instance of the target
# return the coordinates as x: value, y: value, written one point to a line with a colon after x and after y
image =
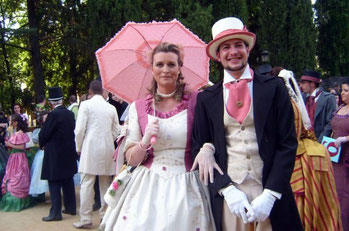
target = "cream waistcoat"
x: 244, y: 161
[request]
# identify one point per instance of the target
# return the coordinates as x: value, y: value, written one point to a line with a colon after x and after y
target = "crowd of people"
x: 243, y: 154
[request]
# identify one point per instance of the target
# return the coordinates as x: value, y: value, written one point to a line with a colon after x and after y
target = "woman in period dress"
x: 15, y: 185
x: 38, y: 187
x: 340, y: 129
x: 312, y: 180
x: 163, y: 194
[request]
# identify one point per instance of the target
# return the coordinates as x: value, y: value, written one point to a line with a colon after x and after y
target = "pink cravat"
x: 239, y: 100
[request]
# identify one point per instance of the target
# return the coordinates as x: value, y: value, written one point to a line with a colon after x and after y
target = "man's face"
x: 233, y: 55
x: 306, y: 86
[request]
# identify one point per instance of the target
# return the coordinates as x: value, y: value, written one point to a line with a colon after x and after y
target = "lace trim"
x: 340, y: 116
x: 164, y: 115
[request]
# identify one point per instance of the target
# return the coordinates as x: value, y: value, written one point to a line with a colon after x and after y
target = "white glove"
x: 338, y: 142
x: 152, y: 129
x: 262, y: 205
x: 206, y: 161
x: 238, y: 204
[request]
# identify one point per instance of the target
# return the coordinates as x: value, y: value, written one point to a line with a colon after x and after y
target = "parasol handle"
x: 153, y: 140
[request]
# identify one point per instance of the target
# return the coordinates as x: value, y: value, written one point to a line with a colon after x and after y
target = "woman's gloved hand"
x: 207, y: 163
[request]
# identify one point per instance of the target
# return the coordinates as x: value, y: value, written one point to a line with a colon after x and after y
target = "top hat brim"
x: 212, y: 47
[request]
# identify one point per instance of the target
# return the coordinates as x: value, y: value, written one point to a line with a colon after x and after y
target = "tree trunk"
x: 8, y: 69
x: 35, y: 49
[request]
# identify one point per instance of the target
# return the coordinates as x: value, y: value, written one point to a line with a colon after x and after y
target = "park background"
x: 48, y: 43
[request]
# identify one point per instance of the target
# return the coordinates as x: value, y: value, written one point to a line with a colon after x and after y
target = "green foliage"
x: 71, y: 31
x: 229, y: 8
x: 287, y: 32
x: 301, y: 37
x: 333, y: 45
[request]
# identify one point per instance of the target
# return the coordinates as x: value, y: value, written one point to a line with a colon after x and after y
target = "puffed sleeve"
x: 134, y: 134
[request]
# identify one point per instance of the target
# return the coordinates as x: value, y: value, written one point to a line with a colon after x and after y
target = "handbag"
x: 118, y: 186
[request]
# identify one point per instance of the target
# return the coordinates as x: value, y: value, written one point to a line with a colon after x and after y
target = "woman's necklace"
x: 165, y: 95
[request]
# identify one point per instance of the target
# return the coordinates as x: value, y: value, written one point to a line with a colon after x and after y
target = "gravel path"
x: 30, y: 219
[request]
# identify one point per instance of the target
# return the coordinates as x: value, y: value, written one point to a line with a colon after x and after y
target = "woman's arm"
x: 16, y: 146
x: 137, y: 144
x: 136, y: 154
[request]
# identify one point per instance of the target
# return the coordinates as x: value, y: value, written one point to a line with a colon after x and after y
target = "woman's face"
x: 165, y: 70
x: 345, y: 93
x: 17, y: 109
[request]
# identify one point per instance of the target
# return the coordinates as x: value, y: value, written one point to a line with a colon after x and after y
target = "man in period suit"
x: 56, y: 137
x: 320, y: 104
x: 244, y: 125
x: 96, y: 129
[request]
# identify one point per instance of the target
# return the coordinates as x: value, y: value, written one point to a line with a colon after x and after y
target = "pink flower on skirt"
x: 115, y: 185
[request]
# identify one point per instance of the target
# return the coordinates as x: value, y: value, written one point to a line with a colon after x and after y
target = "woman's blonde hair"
x: 180, y: 85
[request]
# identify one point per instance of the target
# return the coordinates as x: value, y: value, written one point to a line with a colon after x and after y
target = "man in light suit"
x: 244, y: 128
x: 97, y: 127
x: 320, y: 104
x: 56, y: 137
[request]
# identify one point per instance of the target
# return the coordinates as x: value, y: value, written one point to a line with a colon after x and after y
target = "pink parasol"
x: 123, y: 61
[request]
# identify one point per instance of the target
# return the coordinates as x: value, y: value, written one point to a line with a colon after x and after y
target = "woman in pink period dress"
x: 15, y: 185
x: 163, y: 194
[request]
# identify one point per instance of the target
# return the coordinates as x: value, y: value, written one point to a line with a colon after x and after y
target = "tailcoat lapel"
x: 216, y: 112
x: 262, y: 100
x: 319, y: 105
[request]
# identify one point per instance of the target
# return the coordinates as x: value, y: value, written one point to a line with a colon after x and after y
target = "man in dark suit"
x: 244, y: 125
x: 320, y: 104
x: 59, y: 166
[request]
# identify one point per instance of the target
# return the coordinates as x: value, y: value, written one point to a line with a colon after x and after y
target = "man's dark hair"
x: 72, y: 98
x: 96, y: 87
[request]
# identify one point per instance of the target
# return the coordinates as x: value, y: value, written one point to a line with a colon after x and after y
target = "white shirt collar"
x: 314, y: 92
x: 245, y: 75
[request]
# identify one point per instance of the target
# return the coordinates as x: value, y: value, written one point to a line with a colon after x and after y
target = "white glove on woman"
x: 205, y: 159
x: 238, y: 203
x: 152, y: 129
x: 340, y: 140
x: 262, y: 205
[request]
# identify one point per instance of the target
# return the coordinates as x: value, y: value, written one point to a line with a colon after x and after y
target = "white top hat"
x: 226, y: 29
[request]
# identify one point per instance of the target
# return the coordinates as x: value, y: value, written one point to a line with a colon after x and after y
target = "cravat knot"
x: 239, y: 100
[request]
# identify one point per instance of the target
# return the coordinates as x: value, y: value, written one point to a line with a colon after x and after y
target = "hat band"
x: 55, y: 99
x: 228, y: 32
x: 310, y: 78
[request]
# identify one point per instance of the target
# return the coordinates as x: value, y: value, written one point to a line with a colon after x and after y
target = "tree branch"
x: 13, y: 45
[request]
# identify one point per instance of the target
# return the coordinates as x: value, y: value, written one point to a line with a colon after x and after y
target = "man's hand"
x: 262, y: 205
x: 207, y: 163
x: 79, y: 153
x: 238, y: 204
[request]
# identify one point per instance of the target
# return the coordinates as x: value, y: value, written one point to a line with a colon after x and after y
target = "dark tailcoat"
x: 277, y: 142
x: 325, y: 106
x: 57, y: 139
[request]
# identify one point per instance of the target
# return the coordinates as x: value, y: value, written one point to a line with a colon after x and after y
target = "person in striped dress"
x: 312, y: 181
